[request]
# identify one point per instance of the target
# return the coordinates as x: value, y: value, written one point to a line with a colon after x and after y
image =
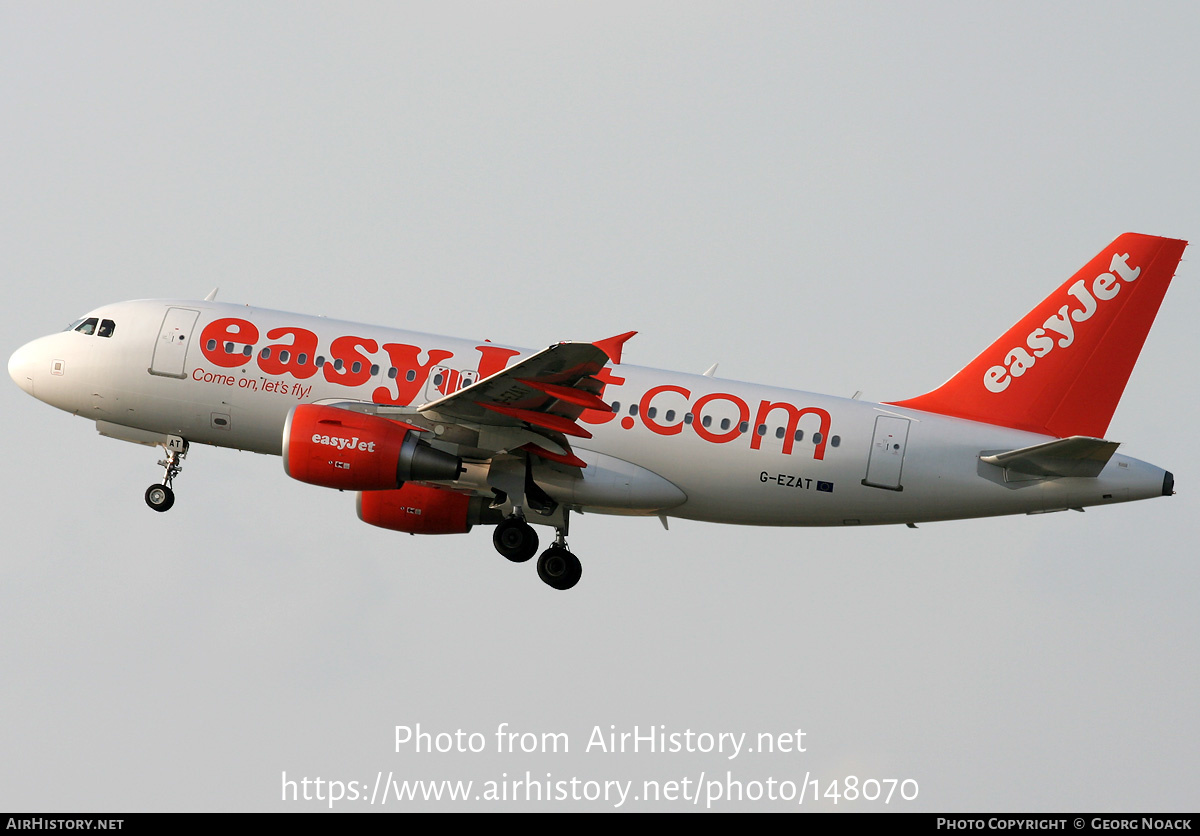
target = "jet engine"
x: 420, y: 509
x: 336, y: 448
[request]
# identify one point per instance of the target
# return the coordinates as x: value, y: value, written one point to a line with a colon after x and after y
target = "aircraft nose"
x: 20, y: 367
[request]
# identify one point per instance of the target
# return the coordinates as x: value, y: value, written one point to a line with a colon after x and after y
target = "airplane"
x: 438, y: 435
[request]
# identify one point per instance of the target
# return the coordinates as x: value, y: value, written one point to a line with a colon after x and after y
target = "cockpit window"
x: 93, y: 326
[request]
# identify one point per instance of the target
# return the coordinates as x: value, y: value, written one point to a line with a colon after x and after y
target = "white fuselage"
x: 736, y: 452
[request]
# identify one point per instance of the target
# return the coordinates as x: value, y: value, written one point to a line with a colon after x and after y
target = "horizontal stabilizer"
x: 1074, y: 456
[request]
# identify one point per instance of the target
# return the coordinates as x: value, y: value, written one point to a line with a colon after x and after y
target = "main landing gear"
x: 511, y: 480
x: 515, y: 539
x: 160, y: 496
x: 557, y: 567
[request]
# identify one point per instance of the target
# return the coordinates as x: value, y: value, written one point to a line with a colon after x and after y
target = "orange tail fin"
x: 1061, y: 370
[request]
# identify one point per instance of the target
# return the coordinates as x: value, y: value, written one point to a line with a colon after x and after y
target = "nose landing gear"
x: 160, y: 496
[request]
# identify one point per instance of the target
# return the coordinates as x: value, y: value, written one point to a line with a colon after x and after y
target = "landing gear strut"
x: 160, y: 496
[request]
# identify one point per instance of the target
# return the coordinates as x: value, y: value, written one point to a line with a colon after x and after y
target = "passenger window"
x: 88, y: 326
x: 320, y: 361
x: 816, y: 438
x: 616, y: 406
x: 410, y: 375
x: 301, y: 359
x: 212, y: 345
x: 392, y: 372
x: 744, y: 426
x: 835, y: 440
x: 633, y: 409
x: 670, y: 416
x: 266, y: 354
x: 283, y: 355
x: 762, y: 429
x: 725, y: 423
x: 107, y: 326
x: 247, y: 351
x: 799, y: 435
x: 651, y: 412
x: 374, y: 369
x: 356, y: 367
x: 687, y: 418
x: 706, y: 420
x: 779, y: 431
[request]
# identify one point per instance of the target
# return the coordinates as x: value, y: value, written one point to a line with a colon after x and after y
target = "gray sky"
x: 831, y: 197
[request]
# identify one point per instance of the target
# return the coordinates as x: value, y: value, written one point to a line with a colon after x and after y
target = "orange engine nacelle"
x: 337, y: 448
x: 419, y: 509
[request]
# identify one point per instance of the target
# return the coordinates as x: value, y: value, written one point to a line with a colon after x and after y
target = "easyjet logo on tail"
x: 1059, y: 330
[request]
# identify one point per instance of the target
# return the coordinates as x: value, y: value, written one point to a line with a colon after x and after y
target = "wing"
x: 536, y: 402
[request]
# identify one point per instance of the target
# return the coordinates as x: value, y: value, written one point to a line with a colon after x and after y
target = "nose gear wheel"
x: 161, y: 496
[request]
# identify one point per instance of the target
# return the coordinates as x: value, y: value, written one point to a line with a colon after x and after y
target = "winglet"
x: 612, y: 346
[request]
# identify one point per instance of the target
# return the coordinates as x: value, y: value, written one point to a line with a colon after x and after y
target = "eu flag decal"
x: 825, y: 486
